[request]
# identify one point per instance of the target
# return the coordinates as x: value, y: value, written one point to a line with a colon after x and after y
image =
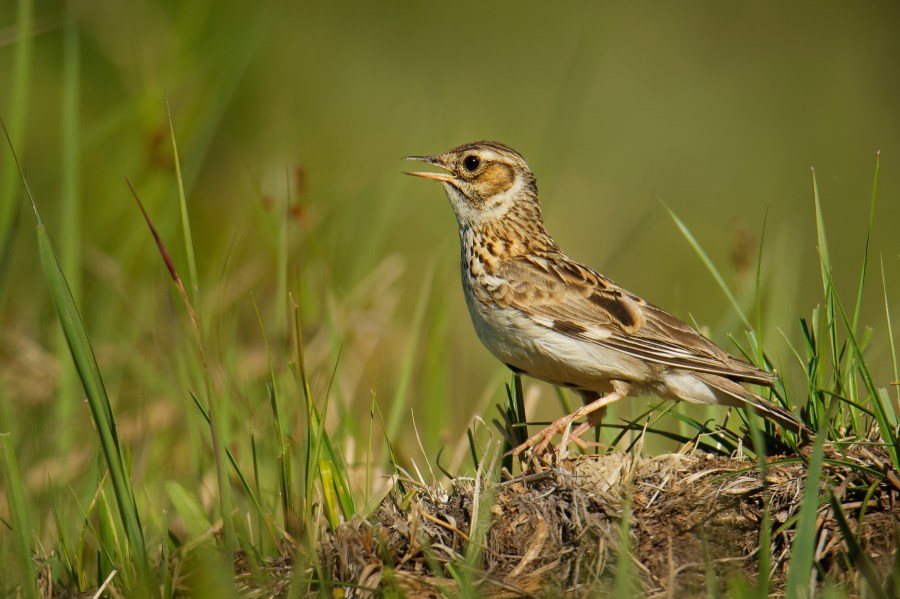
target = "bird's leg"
x: 575, y: 436
x: 593, y: 420
x: 542, y: 439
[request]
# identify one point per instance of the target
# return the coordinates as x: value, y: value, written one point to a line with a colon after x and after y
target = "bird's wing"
x: 562, y: 295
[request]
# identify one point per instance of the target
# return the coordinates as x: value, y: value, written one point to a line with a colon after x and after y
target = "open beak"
x: 436, y: 161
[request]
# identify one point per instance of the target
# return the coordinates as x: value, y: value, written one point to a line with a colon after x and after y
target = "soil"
x: 691, y: 520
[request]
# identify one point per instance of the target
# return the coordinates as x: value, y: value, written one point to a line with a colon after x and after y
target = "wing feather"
x: 558, y: 293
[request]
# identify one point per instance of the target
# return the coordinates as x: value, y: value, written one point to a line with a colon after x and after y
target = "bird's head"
x: 484, y: 181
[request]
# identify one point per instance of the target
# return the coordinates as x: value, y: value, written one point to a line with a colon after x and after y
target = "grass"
x: 266, y: 522
x: 19, y: 521
x: 252, y: 408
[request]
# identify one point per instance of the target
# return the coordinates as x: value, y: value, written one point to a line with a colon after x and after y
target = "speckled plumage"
x: 546, y: 315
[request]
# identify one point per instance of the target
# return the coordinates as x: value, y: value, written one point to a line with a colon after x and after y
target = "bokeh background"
x: 291, y: 119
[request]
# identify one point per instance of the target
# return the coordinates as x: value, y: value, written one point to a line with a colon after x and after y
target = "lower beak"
x: 444, y: 177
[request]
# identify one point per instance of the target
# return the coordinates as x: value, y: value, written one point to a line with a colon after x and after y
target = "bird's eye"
x: 471, y: 162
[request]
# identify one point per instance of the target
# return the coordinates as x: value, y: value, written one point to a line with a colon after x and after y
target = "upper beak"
x: 436, y: 161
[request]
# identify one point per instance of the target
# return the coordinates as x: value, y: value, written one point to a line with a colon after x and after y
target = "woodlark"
x: 547, y: 316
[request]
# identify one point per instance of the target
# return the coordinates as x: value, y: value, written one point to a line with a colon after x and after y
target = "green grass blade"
x: 765, y: 529
x: 757, y: 301
x: 245, y: 484
x: 821, y: 238
x: 890, y: 334
x: 15, y: 496
x: 805, y: 536
x: 857, y: 556
x: 484, y: 496
x: 339, y: 473
x: 710, y: 266
x: 886, y: 422
x: 884, y: 415
x: 110, y: 548
x: 66, y: 555
x: 392, y: 455
x: 318, y: 441
x: 765, y: 552
x: 89, y: 372
x: 261, y: 516
x: 625, y: 579
x: 368, y: 479
x: 217, y: 420
x: 185, y: 220
x: 827, y: 286
x: 322, y: 458
x: 212, y: 577
x: 865, y: 260
x: 189, y: 509
x: 86, y: 526
x: 285, y: 473
x: 329, y: 494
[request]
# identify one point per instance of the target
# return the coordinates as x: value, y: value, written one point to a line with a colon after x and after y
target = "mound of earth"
x: 684, y: 518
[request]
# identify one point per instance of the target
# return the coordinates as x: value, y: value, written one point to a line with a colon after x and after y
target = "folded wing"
x: 560, y: 294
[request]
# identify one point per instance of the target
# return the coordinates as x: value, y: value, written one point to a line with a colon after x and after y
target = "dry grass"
x: 558, y: 532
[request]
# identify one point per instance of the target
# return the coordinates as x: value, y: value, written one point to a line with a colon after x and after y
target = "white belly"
x: 545, y: 354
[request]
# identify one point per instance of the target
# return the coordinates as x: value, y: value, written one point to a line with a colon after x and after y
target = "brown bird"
x: 547, y: 316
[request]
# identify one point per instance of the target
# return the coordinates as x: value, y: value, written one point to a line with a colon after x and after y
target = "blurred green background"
x: 293, y: 116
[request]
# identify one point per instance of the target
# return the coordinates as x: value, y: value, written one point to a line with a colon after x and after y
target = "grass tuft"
x: 20, y: 522
x: 89, y: 372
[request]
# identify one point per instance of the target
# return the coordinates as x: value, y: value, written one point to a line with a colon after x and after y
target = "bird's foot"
x: 541, y: 440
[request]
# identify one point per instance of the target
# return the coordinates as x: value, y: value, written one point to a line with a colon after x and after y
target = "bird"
x: 552, y: 318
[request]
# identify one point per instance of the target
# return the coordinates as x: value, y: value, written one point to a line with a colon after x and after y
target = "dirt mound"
x: 688, y: 517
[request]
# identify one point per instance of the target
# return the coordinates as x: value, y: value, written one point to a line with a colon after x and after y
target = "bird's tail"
x: 777, y: 414
x: 736, y: 395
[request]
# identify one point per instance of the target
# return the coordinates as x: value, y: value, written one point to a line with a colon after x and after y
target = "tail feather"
x: 777, y: 414
x: 734, y: 394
